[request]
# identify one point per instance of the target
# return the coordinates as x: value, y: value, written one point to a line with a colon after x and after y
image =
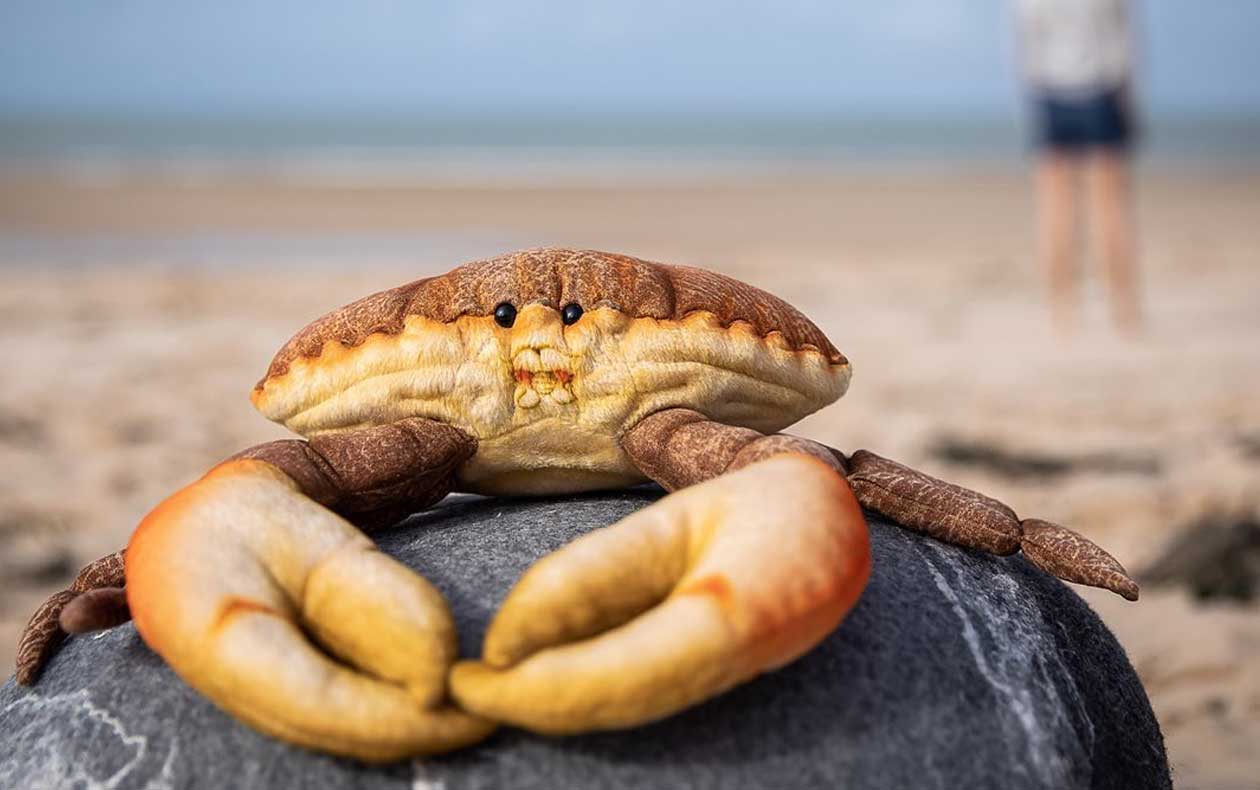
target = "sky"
x: 559, y: 58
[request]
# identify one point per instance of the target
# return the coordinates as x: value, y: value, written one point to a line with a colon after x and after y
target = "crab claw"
x: 674, y: 604
x: 227, y: 578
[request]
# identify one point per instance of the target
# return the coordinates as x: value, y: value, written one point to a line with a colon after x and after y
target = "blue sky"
x: 800, y: 58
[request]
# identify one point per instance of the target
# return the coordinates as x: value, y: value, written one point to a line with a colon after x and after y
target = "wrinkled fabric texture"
x: 956, y: 669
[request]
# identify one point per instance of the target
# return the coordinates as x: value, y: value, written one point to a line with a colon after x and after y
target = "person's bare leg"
x: 1056, y: 234
x: 1111, y: 221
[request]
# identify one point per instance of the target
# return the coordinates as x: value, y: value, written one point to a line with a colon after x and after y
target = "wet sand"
x: 137, y: 313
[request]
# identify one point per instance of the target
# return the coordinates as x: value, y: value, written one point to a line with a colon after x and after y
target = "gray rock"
x: 955, y: 670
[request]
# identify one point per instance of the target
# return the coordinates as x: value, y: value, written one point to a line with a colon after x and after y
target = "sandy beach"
x: 138, y: 311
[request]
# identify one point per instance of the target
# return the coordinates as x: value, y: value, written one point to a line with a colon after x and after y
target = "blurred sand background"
x: 136, y: 312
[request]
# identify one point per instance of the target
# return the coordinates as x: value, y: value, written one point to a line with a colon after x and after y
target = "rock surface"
x: 954, y: 670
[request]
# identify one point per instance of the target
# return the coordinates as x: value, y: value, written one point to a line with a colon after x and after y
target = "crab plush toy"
x: 540, y: 372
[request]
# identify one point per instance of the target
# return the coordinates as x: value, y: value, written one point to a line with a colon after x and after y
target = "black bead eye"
x: 505, y: 315
x: 571, y: 313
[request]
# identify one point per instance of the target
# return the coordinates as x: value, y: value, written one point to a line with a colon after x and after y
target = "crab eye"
x: 571, y: 313
x: 505, y: 315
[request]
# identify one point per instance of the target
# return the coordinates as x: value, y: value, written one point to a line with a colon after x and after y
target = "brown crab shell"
x: 653, y: 336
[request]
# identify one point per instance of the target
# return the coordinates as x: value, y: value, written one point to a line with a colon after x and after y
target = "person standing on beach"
x: 1077, y: 59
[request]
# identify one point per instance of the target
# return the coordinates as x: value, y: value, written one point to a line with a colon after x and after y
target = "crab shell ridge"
x: 547, y: 402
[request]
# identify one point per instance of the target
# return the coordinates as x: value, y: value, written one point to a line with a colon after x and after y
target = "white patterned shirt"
x: 1075, y: 46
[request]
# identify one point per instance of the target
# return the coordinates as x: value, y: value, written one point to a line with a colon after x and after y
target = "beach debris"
x: 1216, y: 557
x: 1034, y: 465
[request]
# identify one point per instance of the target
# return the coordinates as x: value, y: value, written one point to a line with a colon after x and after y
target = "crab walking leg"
x: 46, y: 629
x: 226, y: 577
x: 680, y: 447
x: 372, y: 476
x: 676, y: 603
x: 957, y: 515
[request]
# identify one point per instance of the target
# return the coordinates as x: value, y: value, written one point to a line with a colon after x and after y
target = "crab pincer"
x: 237, y: 578
x: 675, y: 604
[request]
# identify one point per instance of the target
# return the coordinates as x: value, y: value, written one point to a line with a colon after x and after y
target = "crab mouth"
x: 542, y: 374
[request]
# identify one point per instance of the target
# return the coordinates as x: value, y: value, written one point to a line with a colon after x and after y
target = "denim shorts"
x: 1074, y: 123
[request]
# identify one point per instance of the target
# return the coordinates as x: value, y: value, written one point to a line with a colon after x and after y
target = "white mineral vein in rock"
x: 52, y: 722
x: 1015, y: 689
x: 422, y: 777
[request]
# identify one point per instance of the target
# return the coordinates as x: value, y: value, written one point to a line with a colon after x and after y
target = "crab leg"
x: 676, y: 603
x: 93, y: 600
x: 957, y: 515
x: 680, y: 447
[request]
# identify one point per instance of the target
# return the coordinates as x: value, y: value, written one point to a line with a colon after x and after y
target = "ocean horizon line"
x: 540, y: 153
